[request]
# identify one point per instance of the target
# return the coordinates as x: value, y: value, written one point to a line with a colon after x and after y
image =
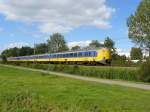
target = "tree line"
x: 56, y: 43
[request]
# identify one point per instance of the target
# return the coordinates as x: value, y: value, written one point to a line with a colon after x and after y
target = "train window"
x: 53, y: 56
x: 80, y: 54
x: 75, y: 54
x: 57, y: 55
x: 89, y: 54
x: 67, y: 55
x: 83, y: 54
x: 60, y: 55
x: 86, y: 54
x: 63, y: 55
x: 71, y: 54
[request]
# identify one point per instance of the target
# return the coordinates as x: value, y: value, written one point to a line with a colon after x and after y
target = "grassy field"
x: 26, y: 91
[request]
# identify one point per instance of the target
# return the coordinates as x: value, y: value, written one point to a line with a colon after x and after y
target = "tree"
x: 4, y: 58
x: 139, y: 25
x: 109, y: 43
x: 24, y: 51
x: 95, y: 44
x: 12, y: 52
x: 76, y: 48
x: 136, y: 54
x: 41, y: 48
x: 57, y: 43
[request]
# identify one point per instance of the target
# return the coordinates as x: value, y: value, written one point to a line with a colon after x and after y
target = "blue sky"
x: 18, y: 30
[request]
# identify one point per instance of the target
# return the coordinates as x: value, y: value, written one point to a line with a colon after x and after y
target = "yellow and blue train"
x: 101, y: 56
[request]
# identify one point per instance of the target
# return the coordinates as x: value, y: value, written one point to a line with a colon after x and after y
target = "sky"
x: 23, y: 23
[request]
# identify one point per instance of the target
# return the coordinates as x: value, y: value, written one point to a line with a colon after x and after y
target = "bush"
x: 145, y: 71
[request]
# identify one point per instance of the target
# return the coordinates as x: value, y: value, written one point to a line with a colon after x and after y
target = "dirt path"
x: 105, y: 81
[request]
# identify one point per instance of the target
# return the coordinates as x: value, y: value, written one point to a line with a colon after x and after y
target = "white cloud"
x: 17, y: 44
x: 79, y: 43
x: 121, y: 52
x: 58, y: 15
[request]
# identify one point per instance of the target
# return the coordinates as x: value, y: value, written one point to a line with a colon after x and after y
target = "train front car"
x: 104, y: 56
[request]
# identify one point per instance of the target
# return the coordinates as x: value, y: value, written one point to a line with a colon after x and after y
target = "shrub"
x: 145, y: 71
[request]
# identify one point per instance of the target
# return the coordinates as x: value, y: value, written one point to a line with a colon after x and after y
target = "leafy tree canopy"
x: 139, y: 25
x: 76, y: 48
x: 109, y: 43
x: 41, y: 48
x: 136, y: 54
x: 95, y: 44
x: 57, y: 43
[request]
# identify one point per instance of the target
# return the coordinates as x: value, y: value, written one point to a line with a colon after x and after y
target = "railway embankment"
x: 104, y: 72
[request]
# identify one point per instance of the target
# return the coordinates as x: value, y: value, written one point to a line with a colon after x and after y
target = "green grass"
x: 121, y: 73
x: 26, y: 91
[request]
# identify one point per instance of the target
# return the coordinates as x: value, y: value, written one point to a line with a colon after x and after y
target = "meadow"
x: 26, y: 91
